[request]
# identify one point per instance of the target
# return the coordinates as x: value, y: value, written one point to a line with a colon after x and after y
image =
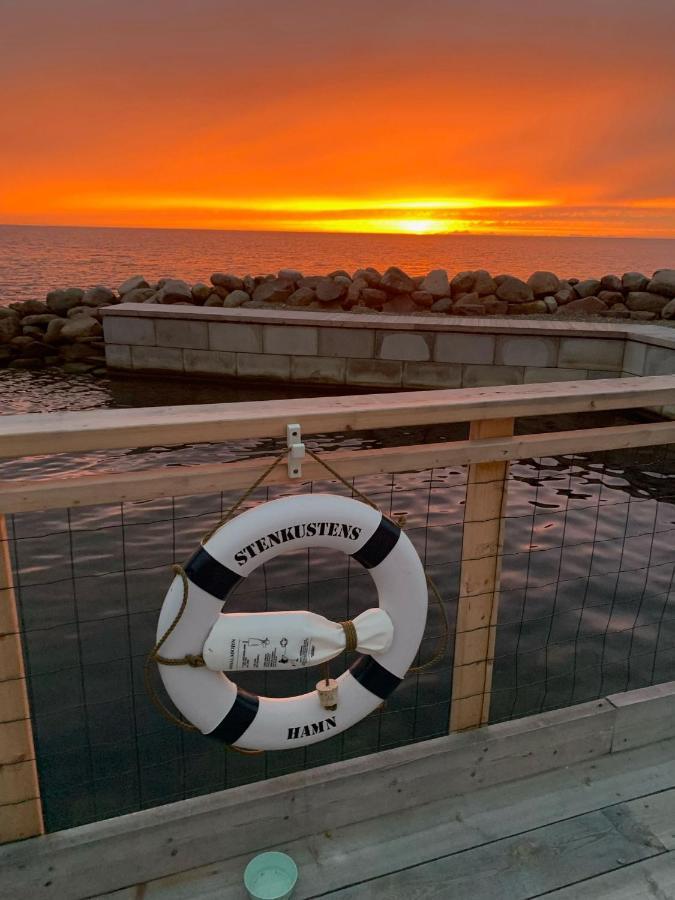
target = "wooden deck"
x: 599, y: 829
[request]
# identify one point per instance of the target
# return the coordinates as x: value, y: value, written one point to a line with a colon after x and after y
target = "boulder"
x: 74, y: 351
x: 467, y: 300
x: 311, y: 281
x: 373, y: 298
x: 53, y: 333
x: 60, y: 302
x: 436, y: 283
x: 494, y: 306
x: 228, y: 281
x: 328, y: 290
x: 5, y: 355
x: 342, y: 279
x: 668, y: 311
x: 643, y: 315
x: 32, y: 331
x: 663, y: 283
x: 302, y: 297
x: 462, y: 283
x: 483, y: 283
x: 371, y: 276
x: 234, y: 299
x: 10, y: 327
x: 21, y: 341
x: 98, y: 296
x: 611, y: 297
x: 551, y: 304
x: 588, y: 288
x: 41, y: 319
x: 139, y: 295
x: 26, y: 363
x: 290, y: 274
x: 443, y: 305
x: 134, y: 283
x: 174, y: 290
x: 643, y: 300
x: 565, y: 295
x: 513, y: 290
x: 276, y: 291
x: 35, y: 349
x: 423, y: 299
x: 354, y: 290
x: 618, y: 311
x: 634, y: 281
x: 610, y: 283
x: 528, y: 308
x: 249, y: 284
x: 544, y: 283
x: 586, y: 306
x: 216, y: 300
x: 396, y: 281
x: 418, y: 279
x: 339, y: 273
x: 78, y: 368
x: 81, y: 326
x: 399, y: 304
x: 201, y: 292
x: 30, y: 308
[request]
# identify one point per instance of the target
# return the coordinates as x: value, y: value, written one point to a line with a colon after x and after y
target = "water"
x: 34, y: 260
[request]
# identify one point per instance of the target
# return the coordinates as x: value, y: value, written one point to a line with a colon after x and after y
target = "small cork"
x: 327, y: 689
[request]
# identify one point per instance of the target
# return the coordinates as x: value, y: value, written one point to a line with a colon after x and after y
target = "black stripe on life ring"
x: 374, y: 677
x: 379, y: 545
x: 238, y: 719
x: 210, y: 575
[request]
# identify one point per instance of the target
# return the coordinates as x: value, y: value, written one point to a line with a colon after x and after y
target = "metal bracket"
x: 297, y: 450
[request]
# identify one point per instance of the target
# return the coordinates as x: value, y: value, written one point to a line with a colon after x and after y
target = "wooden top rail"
x: 40, y: 433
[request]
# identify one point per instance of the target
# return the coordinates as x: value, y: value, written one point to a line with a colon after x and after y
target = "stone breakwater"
x: 66, y: 328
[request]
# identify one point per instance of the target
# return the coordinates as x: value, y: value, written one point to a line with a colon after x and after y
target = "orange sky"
x: 378, y: 115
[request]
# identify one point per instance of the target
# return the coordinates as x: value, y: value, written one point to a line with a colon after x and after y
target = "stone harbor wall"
x: 65, y: 329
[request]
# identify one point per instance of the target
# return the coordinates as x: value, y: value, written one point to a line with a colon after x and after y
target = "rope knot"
x: 351, y: 637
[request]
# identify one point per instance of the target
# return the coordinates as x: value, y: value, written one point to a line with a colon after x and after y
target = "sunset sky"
x: 421, y: 116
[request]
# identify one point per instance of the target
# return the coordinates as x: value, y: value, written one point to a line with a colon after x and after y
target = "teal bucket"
x: 270, y: 876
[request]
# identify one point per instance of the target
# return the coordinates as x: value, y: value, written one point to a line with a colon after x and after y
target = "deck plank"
x: 475, y: 820
x: 649, y: 879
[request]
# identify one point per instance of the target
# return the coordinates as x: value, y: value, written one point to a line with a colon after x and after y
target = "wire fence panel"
x: 587, y: 602
x: 90, y: 583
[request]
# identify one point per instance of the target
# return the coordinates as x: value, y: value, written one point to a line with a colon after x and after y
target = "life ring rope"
x: 207, y: 573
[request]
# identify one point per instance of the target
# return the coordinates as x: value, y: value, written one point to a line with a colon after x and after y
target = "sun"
x: 417, y: 226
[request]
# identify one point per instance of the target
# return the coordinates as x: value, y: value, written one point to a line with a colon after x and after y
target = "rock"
x: 10, y: 327
x: 668, y: 311
x: 643, y: 315
x: 98, y: 296
x: 354, y: 290
x: 494, y: 306
x: 35, y: 349
x: 663, y: 283
x: 216, y: 300
x: 529, y: 308
x: 136, y: 282
x: 201, y: 293
x: 643, y: 300
x: 362, y: 310
x: 60, y: 302
x: 467, y: 300
x: 77, y: 368
x: 436, y: 283
x: 21, y: 341
x: 443, y: 305
x: 400, y: 304
x: 500, y: 278
x: 587, y: 306
x: 462, y: 283
x: 74, y: 351
x: 328, y: 290
x: 423, y: 299
x: 81, y: 326
x: 634, y: 281
x: 8, y: 312
x: 5, y: 355
x: 513, y: 290
x: 249, y: 284
x: 140, y: 295
x: 174, y: 290
x: 342, y: 279
x: 371, y: 276
x: 551, y: 304
x: 417, y: 280
x: 396, y: 281
x: 290, y: 275
x: 588, y: 288
x: 470, y: 309
x: 53, y: 333
x: 311, y: 281
x: 484, y: 284
x: 92, y: 311
x: 339, y: 273
x: 618, y: 311
x: 373, y: 298
x: 544, y: 283
x: 302, y: 297
x: 565, y: 295
x: 573, y: 281
x: 26, y: 363
x: 228, y: 281
x: 276, y: 291
x: 611, y: 297
x: 610, y: 283
x: 29, y: 308
x: 32, y: 331
x: 234, y: 299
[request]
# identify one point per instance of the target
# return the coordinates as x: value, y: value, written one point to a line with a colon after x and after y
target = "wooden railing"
x: 487, y: 452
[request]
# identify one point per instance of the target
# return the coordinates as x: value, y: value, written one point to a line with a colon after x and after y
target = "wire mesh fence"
x: 586, y: 608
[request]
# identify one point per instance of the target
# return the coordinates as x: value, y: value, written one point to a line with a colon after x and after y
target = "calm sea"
x: 34, y: 260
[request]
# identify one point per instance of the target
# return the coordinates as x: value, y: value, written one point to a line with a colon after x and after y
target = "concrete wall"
x: 377, y: 350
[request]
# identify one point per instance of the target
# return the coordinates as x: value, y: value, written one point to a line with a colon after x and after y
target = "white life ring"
x: 210, y: 700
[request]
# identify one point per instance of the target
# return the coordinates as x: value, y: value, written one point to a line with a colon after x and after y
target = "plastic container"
x: 270, y: 876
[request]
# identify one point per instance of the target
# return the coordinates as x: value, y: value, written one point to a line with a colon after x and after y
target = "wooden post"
x: 478, y: 603
x: 20, y: 806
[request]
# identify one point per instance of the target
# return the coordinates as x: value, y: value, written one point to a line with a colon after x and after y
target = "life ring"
x: 214, y: 703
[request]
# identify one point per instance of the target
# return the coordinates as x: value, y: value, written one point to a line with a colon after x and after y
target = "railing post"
x: 478, y: 603
x: 20, y: 806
